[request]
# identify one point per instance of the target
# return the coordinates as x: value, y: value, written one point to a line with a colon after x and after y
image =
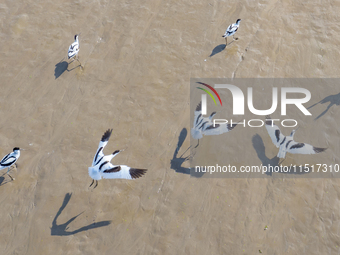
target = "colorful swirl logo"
x: 209, y: 93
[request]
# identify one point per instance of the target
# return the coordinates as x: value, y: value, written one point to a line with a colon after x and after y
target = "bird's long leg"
x: 79, y: 62
x: 185, y: 151
x: 226, y: 40
x: 91, y: 183
x: 282, y: 161
x: 9, y: 174
x: 96, y: 184
x: 198, y: 143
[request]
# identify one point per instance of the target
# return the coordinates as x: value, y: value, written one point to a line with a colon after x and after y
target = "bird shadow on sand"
x: 332, y: 99
x: 61, y: 230
x: 61, y: 67
x: 273, y: 162
x: 218, y: 49
x: 2, y: 180
x: 176, y: 162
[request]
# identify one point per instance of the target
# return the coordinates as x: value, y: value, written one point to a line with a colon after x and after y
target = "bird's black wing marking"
x: 106, y: 135
x: 318, y: 150
x: 288, y: 143
x: 198, y: 107
x: 304, y: 148
x: 95, y: 158
x: 277, y: 134
x: 212, y: 115
x: 96, y: 163
x: 116, y: 152
x: 203, y: 124
x: 284, y: 139
x: 230, y: 127
x: 9, y: 161
x: 218, y: 129
x: 4, y: 158
x: 136, y: 173
x: 274, y: 132
x: 104, y: 163
x: 199, y: 116
x: 297, y: 146
x: 269, y: 121
x: 113, y: 170
x: 212, y: 126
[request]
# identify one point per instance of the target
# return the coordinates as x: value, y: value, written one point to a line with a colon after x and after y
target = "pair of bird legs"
x: 191, y: 155
x: 8, y: 171
x: 226, y: 39
x: 93, y: 182
x: 77, y: 58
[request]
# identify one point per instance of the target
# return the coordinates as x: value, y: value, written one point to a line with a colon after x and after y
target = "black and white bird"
x: 74, y: 49
x: 231, y: 30
x: 9, y: 160
x: 286, y: 143
x: 102, y: 167
x: 205, y: 126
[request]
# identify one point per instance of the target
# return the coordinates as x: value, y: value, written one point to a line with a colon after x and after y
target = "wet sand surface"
x: 139, y: 58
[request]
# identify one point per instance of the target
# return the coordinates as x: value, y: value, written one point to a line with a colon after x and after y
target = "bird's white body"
x: 205, y: 126
x: 74, y: 48
x: 9, y: 160
x: 231, y: 30
x: 287, y: 143
x: 97, y: 173
x: 102, y: 167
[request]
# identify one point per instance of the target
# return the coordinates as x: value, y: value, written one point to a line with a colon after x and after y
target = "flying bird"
x: 287, y: 143
x: 102, y: 167
x: 231, y: 30
x: 9, y: 160
x: 74, y: 49
x: 205, y: 126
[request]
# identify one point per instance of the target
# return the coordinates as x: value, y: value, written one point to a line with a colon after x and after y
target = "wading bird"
x: 205, y: 126
x: 102, y: 167
x: 231, y: 30
x: 286, y: 143
x: 9, y: 160
x: 74, y: 49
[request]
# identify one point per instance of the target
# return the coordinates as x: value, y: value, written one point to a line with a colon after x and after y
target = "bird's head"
x: 238, y: 21
x: 16, y: 149
x: 293, y: 132
x: 196, y: 134
x: 76, y: 37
